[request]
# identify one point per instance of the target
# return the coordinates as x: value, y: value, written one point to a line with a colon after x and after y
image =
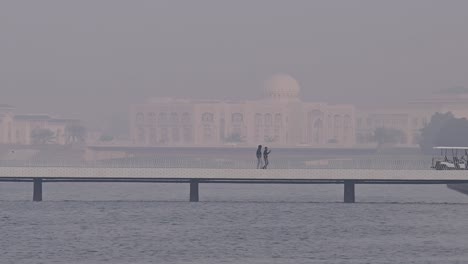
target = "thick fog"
x: 93, y: 59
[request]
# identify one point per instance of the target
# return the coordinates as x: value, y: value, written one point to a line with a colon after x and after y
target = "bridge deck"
x: 194, y: 176
x: 231, y: 174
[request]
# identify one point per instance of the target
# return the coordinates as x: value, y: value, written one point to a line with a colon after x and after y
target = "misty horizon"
x: 93, y: 60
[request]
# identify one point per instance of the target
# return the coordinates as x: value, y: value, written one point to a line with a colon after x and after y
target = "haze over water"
x: 89, y: 223
x: 93, y: 59
x: 359, y: 62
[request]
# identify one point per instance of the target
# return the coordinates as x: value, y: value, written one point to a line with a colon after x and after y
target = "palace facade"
x: 279, y: 119
x: 282, y: 119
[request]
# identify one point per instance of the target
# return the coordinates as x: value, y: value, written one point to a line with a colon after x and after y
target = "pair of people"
x: 266, y: 152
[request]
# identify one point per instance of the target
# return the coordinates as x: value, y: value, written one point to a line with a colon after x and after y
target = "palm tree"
x: 75, y: 133
x: 42, y: 136
x: 383, y: 135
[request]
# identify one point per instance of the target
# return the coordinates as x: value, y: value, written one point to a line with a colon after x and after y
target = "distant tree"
x: 453, y: 133
x: 106, y: 138
x: 234, y: 138
x: 75, y: 133
x: 454, y: 90
x: 383, y: 135
x: 42, y: 136
x: 444, y: 130
x: 430, y: 132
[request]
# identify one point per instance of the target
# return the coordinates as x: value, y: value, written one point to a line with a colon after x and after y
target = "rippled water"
x: 233, y: 223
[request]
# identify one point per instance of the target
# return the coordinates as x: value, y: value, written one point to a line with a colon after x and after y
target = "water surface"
x: 234, y: 223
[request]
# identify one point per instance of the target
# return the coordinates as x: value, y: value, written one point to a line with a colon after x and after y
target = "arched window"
x: 141, y: 135
x: 278, y: 119
x: 314, y: 114
x: 187, y: 134
x: 9, y: 132
x: 416, y: 138
x: 237, y: 118
x: 337, y: 120
x: 207, y: 132
x: 424, y: 121
x: 346, y: 128
x: 268, y: 120
x: 151, y: 118
x: 153, y: 136
x: 317, y: 131
x: 164, y: 135
x: 17, y: 136
x: 163, y: 117
x: 207, y: 117
x: 315, y: 126
x: 258, y: 119
x: 185, y: 117
x: 222, y: 128
x: 140, y: 118
x: 174, y: 117
x: 175, y: 134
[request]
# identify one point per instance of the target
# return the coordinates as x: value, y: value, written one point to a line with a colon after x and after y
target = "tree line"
x: 73, y: 133
x: 444, y: 129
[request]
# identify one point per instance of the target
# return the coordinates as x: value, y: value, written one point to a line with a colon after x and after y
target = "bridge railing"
x: 374, y: 163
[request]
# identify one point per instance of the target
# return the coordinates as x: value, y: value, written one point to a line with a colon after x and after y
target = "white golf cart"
x: 449, y: 159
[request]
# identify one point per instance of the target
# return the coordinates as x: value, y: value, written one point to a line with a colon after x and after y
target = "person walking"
x: 266, y: 152
x: 259, y: 156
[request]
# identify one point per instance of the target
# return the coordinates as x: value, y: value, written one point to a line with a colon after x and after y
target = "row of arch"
x: 268, y: 119
x: 163, y: 135
x: 339, y: 128
x: 185, y: 117
x: 320, y: 128
x: 162, y: 117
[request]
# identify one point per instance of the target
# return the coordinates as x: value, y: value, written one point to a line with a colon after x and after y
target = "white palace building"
x: 17, y: 129
x: 279, y: 119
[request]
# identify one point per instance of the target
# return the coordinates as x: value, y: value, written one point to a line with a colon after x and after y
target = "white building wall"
x: 267, y: 122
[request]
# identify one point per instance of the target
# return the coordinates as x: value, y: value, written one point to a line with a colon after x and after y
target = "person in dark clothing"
x: 259, y: 156
x: 266, y: 152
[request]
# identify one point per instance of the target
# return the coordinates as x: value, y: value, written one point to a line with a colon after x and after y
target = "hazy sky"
x: 92, y: 58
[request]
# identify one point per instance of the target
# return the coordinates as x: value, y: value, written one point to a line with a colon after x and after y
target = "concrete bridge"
x: 195, y: 176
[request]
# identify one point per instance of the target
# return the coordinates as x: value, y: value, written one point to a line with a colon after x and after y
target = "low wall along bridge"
x: 39, y: 175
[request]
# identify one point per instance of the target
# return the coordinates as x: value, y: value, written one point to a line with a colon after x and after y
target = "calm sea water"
x: 152, y: 223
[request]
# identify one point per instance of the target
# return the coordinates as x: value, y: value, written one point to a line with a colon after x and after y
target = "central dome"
x: 281, y: 87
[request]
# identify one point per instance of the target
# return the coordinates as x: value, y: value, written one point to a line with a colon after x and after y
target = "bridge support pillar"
x: 194, y: 190
x: 349, y: 191
x: 37, y: 189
